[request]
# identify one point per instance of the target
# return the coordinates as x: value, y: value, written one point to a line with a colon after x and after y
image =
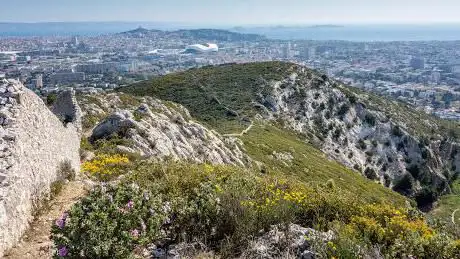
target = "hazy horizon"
x: 140, y: 22
x: 236, y: 12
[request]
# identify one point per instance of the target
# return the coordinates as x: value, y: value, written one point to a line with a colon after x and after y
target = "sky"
x: 234, y: 12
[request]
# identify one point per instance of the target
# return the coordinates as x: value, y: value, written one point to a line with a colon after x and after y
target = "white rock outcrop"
x: 292, y: 241
x: 161, y: 131
x: 363, y: 134
x: 34, y: 144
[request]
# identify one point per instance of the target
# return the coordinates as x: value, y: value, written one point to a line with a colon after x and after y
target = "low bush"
x: 226, y: 207
x: 370, y: 119
x: 109, y: 223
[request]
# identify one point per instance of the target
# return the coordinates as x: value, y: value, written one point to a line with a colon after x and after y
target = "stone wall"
x: 34, y: 143
x: 67, y: 109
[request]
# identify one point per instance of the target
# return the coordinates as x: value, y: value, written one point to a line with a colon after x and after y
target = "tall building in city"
x: 75, y: 41
x: 39, y: 81
x: 287, y: 51
x: 312, y: 53
x: 435, y: 76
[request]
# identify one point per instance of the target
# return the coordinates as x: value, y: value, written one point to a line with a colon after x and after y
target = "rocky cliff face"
x: 161, y: 130
x: 350, y: 129
x: 34, y: 146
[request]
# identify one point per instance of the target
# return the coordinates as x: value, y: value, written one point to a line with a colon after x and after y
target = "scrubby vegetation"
x: 225, y: 207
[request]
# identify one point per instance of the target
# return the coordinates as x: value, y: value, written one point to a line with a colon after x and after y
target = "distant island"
x: 321, y: 26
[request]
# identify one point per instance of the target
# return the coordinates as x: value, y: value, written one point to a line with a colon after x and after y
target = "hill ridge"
x: 375, y: 136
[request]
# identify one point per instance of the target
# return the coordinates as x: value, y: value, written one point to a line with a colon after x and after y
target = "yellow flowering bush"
x: 385, y: 223
x: 275, y: 193
x: 371, y: 229
x: 105, y: 166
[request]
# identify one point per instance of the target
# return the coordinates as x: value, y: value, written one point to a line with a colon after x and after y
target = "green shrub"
x: 109, y: 223
x: 396, y: 131
x: 371, y: 174
x: 344, y: 108
x: 51, y: 99
x: 361, y: 144
x: 89, y: 121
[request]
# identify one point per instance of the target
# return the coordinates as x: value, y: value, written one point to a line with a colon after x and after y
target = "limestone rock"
x: 160, y: 131
x: 359, y: 136
x: 67, y: 109
x: 34, y: 143
x: 293, y: 242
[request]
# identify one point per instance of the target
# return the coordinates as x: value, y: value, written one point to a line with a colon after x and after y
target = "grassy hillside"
x: 447, y: 205
x: 209, y: 93
x: 213, y: 93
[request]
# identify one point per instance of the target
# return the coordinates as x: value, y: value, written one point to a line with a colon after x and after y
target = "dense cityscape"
x: 424, y: 74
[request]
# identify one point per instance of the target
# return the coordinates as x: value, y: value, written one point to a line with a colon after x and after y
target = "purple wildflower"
x: 62, y: 251
x: 60, y: 223
x: 135, y: 233
x: 130, y: 204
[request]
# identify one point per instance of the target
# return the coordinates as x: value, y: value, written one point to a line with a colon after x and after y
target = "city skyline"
x: 238, y: 12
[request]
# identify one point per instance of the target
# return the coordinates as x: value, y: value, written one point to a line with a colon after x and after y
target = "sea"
x: 361, y: 33
x: 357, y: 33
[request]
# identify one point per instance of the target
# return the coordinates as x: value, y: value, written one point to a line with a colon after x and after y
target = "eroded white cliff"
x: 34, y: 144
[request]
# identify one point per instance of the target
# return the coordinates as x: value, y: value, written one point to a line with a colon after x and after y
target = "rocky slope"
x: 360, y: 134
x: 152, y: 128
x: 387, y: 141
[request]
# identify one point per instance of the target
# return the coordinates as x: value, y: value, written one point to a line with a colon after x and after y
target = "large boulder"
x: 117, y: 123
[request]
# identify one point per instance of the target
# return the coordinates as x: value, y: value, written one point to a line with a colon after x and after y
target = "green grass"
x: 446, y: 205
x: 310, y: 165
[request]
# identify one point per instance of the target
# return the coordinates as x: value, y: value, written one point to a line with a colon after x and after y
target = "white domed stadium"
x: 200, y: 48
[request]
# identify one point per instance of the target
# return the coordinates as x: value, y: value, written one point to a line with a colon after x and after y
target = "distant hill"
x: 196, y: 34
x: 80, y: 28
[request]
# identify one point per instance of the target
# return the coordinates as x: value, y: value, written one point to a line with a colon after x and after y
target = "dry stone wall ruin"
x: 34, y: 144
